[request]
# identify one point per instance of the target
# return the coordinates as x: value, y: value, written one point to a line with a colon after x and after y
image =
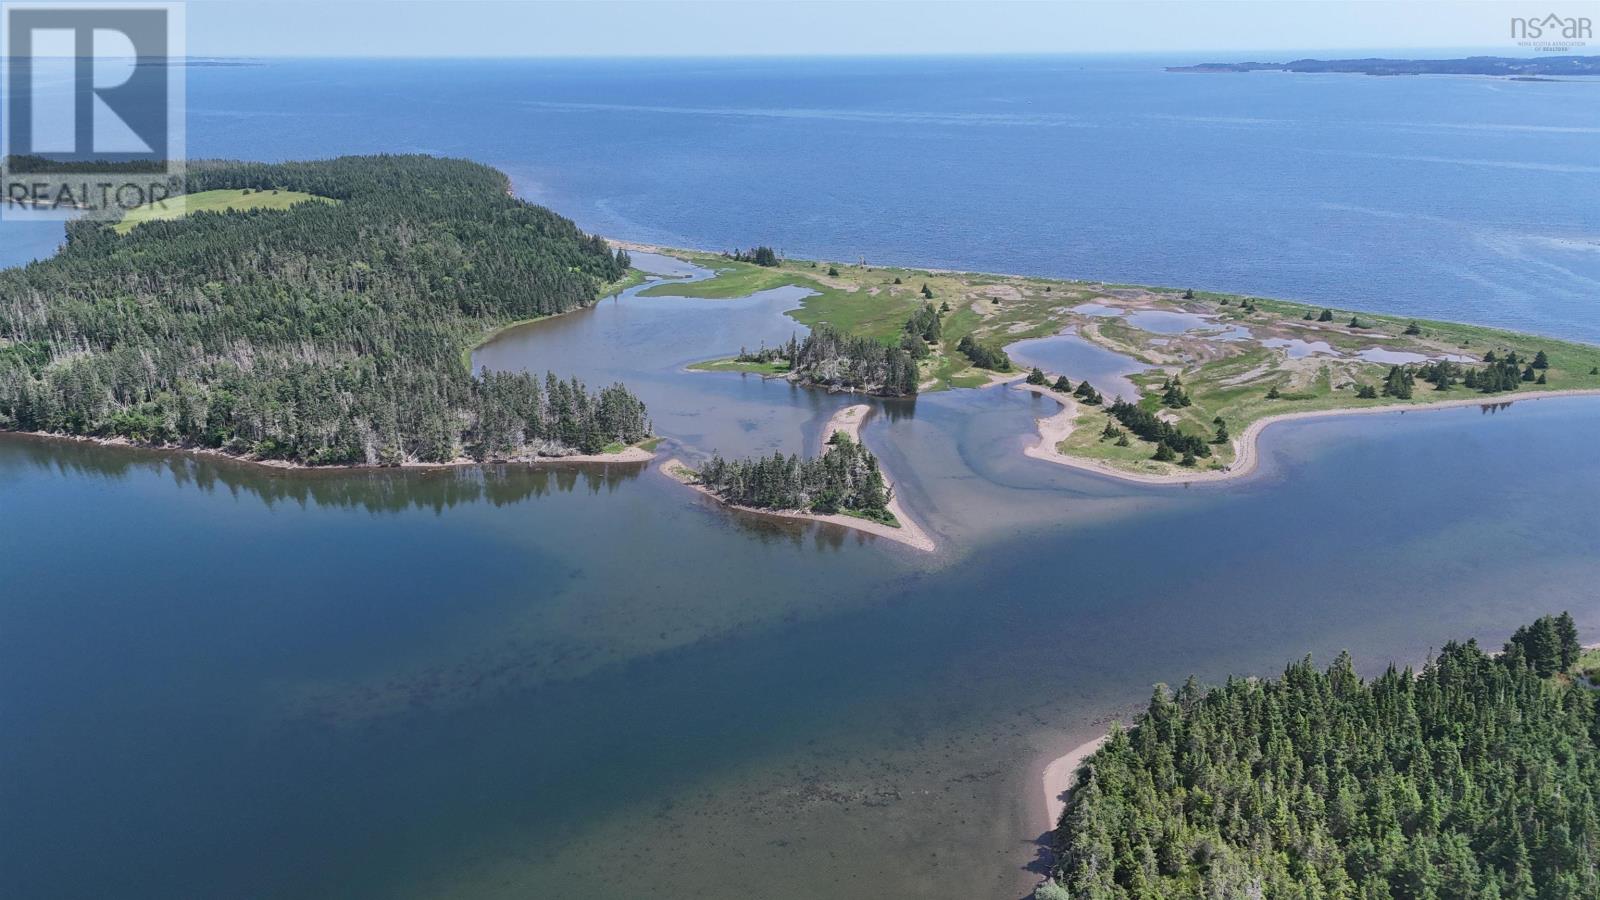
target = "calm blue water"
x: 220, y: 681
x: 1456, y: 198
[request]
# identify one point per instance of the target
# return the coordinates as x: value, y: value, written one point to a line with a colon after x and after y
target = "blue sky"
x: 870, y: 27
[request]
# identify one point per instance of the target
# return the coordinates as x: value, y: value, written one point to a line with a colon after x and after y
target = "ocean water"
x: 222, y: 681
x: 1452, y: 198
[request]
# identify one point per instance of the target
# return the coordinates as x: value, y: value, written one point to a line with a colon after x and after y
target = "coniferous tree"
x: 1477, y: 777
x: 1399, y: 382
x: 845, y: 478
x: 327, y: 333
x: 1150, y: 427
x: 925, y: 323
x: 830, y: 358
x: 984, y: 357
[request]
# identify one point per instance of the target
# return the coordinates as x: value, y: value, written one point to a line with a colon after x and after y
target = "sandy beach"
x: 1052, y: 429
x: 1044, y: 806
x: 1055, y: 428
x: 1059, y: 776
x: 849, y: 421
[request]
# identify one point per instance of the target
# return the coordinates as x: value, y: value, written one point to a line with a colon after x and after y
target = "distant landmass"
x: 1506, y: 66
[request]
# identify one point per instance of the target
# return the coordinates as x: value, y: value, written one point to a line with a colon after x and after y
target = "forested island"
x: 1506, y: 66
x: 1477, y: 777
x: 844, y: 479
x: 314, y: 313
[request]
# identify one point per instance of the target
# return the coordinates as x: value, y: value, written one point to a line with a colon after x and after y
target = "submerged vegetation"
x: 844, y: 479
x: 319, y: 333
x: 1478, y: 777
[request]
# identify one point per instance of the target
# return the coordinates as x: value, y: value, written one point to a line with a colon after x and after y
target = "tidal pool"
x: 1299, y: 348
x: 1164, y: 321
x: 1404, y: 357
x: 1080, y: 360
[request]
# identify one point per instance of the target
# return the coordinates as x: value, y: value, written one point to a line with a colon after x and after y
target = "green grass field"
x: 1589, y: 665
x: 213, y: 201
x: 776, y: 367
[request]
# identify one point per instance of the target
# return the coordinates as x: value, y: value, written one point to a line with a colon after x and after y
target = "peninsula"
x: 1149, y: 384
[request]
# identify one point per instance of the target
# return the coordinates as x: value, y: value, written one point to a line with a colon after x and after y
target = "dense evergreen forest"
x: 1478, y: 777
x: 844, y: 479
x: 326, y: 333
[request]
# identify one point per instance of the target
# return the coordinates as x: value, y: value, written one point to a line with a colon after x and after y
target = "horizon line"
x: 1262, y: 54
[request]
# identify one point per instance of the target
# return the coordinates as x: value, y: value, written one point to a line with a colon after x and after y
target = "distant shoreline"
x: 1510, y: 67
